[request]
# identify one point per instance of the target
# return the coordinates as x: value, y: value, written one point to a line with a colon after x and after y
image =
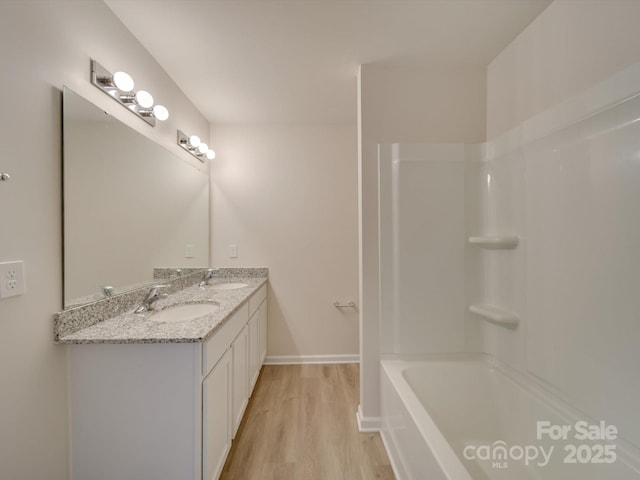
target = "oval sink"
x: 183, y: 313
x: 227, y: 286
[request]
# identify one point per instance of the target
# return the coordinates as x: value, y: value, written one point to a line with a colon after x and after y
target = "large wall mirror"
x: 130, y: 206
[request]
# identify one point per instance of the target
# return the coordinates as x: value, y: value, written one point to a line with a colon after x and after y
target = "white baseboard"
x: 300, y: 359
x: 367, y: 424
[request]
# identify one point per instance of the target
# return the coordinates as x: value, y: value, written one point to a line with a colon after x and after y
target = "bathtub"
x: 468, y: 417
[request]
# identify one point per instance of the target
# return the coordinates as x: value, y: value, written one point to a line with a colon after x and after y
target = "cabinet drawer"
x: 256, y: 299
x: 214, y: 348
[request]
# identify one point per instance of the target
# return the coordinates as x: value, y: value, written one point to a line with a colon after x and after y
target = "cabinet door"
x: 216, y: 417
x: 255, y: 362
x: 262, y: 323
x: 240, y: 348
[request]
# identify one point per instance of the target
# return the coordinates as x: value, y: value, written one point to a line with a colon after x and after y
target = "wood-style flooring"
x: 301, y: 425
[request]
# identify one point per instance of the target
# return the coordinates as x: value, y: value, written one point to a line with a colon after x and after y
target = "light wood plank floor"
x: 301, y: 425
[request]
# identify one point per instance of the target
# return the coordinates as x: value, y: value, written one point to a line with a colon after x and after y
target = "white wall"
x: 570, y: 46
x: 286, y: 195
x: 44, y: 45
x: 403, y: 105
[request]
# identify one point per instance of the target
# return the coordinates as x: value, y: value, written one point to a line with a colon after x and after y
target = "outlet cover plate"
x: 12, y: 281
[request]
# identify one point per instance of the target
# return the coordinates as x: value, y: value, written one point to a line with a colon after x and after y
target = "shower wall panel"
x: 422, y: 229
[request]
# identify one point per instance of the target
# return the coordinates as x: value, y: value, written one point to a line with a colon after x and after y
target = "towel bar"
x: 351, y: 304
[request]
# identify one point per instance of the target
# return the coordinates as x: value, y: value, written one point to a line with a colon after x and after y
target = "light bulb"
x: 160, y: 112
x: 194, y: 141
x: 144, y: 99
x: 211, y: 154
x: 203, y: 147
x: 123, y: 81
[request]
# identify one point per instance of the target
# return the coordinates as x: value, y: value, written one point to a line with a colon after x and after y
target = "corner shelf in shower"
x: 495, y: 242
x: 495, y: 315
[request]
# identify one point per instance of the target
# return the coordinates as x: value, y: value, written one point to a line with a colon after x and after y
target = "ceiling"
x: 295, y: 61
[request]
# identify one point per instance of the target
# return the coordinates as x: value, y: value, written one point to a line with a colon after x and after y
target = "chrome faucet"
x: 208, y: 275
x: 151, y: 298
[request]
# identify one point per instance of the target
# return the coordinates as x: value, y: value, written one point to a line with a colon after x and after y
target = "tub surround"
x: 112, y: 320
x: 564, y: 184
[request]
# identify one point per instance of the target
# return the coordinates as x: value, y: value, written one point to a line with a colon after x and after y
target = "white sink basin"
x: 227, y: 286
x: 184, y: 313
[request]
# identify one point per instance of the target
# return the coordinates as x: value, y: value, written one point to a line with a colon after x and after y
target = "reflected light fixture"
x: 195, y: 146
x: 144, y: 99
x: 123, y: 81
x: 119, y: 86
x: 194, y: 141
x: 160, y: 112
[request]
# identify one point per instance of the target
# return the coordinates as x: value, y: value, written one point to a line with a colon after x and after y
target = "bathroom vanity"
x: 157, y: 386
x: 162, y: 400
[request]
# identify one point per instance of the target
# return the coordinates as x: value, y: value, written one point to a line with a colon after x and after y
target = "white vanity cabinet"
x: 222, y: 369
x: 262, y: 343
x: 254, y: 350
x: 216, y: 417
x: 162, y: 411
x: 257, y: 334
x: 240, y: 349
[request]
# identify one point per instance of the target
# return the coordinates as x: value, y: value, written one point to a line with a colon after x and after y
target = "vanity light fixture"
x: 119, y: 86
x: 195, y: 146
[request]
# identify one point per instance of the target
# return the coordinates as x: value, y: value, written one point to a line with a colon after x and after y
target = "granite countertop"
x: 138, y: 328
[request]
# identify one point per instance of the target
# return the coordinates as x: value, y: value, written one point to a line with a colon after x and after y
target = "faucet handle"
x: 208, y: 275
x: 152, y: 296
x: 153, y: 291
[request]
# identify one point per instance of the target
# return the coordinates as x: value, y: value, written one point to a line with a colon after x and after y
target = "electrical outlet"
x: 12, y: 281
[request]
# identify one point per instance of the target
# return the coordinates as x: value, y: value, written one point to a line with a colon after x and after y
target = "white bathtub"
x: 463, y: 417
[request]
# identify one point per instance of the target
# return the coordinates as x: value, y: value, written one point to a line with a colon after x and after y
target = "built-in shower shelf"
x: 495, y: 242
x: 496, y: 315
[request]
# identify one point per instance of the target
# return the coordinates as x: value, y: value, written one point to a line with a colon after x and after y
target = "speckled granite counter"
x: 139, y: 328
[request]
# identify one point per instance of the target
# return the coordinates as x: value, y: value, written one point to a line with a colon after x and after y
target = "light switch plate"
x: 233, y: 251
x: 12, y: 281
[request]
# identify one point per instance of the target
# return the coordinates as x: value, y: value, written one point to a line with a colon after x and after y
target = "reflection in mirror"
x: 130, y: 206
